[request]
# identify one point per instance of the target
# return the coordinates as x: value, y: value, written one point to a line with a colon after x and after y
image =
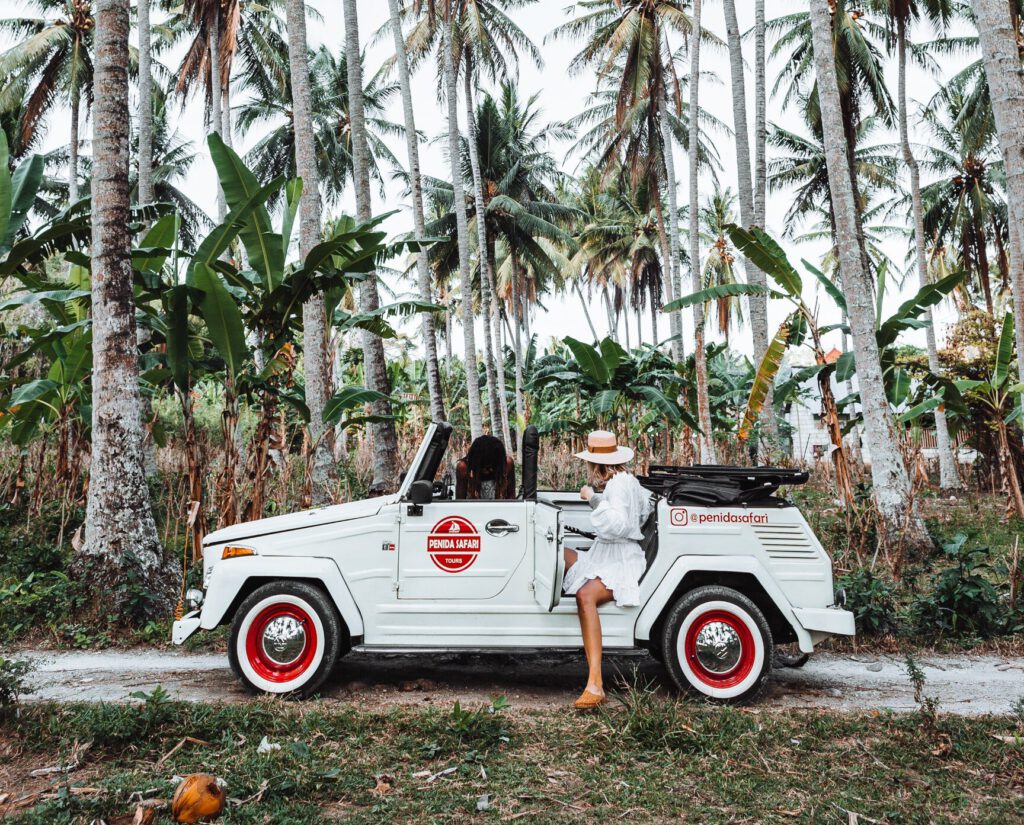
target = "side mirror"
x: 421, y: 492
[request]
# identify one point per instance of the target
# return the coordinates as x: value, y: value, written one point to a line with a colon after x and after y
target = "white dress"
x: 615, y: 557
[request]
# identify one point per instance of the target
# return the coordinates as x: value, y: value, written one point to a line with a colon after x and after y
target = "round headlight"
x: 194, y: 598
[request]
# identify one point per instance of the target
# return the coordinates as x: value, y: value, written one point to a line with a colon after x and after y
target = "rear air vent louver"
x: 786, y: 541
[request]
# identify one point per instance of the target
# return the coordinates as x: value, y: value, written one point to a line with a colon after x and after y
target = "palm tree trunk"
x: 499, y: 361
x: 484, y: 260
x: 450, y: 68
x: 419, y: 221
x: 758, y: 303
x: 216, y: 120
x: 675, y: 318
x: 385, y: 439
x: 892, y: 490
x: 517, y: 349
x: 120, y: 531
x: 613, y: 326
x: 146, y: 193
x: 706, y: 436
x: 1001, y: 56
x: 949, y: 478
x: 760, y: 117
x: 586, y: 309
x: 76, y: 105
x: 316, y: 353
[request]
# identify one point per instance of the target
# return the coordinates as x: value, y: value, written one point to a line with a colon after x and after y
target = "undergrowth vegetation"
x: 646, y: 757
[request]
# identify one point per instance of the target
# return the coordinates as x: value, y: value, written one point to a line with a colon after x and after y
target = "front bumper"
x: 185, y: 627
x: 828, y: 621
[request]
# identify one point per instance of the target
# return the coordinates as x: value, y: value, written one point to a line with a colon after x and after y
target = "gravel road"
x: 965, y: 685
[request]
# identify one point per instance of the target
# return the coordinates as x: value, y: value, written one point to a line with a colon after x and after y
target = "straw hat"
x: 602, y: 448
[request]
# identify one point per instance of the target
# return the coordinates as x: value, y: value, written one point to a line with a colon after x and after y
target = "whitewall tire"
x: 717, y: 644
x: 285, y: 638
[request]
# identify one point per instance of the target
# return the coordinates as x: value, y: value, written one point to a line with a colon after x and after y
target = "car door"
x: 548, y: 561
x: 460, y: 549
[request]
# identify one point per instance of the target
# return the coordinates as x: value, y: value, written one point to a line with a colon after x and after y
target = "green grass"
x: 648, y: 760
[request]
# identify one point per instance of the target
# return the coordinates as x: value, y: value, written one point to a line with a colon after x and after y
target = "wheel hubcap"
x: 281, y: 643
x: 284, y: 639
x: 718, y: 648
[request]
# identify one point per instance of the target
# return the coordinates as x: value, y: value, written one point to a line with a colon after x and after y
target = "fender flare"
x: 229, y: 577
x: 661, y: 597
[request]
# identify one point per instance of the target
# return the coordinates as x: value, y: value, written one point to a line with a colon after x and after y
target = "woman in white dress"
x: 612, y: 568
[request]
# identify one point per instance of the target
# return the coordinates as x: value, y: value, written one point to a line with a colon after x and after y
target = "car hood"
x: 298, y: 521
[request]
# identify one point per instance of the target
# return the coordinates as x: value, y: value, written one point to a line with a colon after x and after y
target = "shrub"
x: 961, y: 600
x: 872, y: 600
x: 12, y: 683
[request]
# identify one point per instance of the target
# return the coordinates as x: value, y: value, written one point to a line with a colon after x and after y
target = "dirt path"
x: 966, y: 685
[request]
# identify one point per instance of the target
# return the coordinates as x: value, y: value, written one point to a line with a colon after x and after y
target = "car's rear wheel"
x: 285, y: 638
x: 716, y: 643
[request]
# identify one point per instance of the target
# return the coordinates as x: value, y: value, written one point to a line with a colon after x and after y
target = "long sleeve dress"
x: 615, y: 557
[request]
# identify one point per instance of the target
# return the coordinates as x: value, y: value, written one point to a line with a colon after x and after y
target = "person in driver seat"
x: 487, y: 473
x: 612, y: 568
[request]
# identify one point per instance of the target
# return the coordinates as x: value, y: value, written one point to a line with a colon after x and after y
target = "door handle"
x: 500, y: 527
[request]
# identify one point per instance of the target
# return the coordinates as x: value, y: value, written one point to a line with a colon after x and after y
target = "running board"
x: 378, y: 649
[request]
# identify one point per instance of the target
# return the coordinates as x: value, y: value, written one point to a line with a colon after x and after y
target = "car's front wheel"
x: 716, y: 643
x: 285, y: 638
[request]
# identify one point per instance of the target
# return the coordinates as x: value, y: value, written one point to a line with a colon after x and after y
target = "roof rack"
x: 718, y: 484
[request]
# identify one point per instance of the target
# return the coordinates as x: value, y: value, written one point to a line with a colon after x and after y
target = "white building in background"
x: 810, y: 441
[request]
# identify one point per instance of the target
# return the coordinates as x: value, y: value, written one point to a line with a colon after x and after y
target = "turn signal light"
x: 235, y: 552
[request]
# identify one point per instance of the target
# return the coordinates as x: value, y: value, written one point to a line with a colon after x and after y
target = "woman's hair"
x: 600, y: 474
x: 486, y: 461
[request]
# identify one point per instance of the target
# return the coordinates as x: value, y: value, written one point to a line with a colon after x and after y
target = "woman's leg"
x: 588, y: 598
x: 570, y: 557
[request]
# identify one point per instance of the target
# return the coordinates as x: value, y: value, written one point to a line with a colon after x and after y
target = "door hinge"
x: 532, y: 586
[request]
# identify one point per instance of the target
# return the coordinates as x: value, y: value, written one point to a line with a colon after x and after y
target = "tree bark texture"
x: 419, y: 221
x: 316, y: 355
x: 385, y: 439
x: 892, y: 490
x: 120, y: 532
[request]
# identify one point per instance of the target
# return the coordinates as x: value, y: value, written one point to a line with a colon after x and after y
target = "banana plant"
x: 621, y: 387
x: 999, y: 396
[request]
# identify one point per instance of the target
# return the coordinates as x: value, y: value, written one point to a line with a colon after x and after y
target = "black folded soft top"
x: 712, y: 485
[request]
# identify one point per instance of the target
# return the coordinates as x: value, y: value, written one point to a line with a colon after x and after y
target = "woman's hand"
x: 587, y: 493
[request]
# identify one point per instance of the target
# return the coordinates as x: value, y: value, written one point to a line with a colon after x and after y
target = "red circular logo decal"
x: 453, y: 544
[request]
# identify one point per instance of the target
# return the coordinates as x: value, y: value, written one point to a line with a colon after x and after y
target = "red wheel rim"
x: 744, y: 664
x: 286, y: 668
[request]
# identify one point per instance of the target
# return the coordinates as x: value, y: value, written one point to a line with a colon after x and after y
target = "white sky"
x: 560, y: 96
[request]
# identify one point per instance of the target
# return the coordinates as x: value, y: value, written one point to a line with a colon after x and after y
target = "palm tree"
x: 419, y: 220
x: 799, y: 163
x: 716, y: 215
x: 385, y: 439
x: 52, y: 60
x: 900, y: 14
x: 999, y: 34
x: 758, y: 303
x: 705, y: 439
x: 172, y: 158
x: 316, y: 355
x: 450, y: 69
x: 274, y: 153
x: 519, y: 207
x: 963, y: 208
x: 120, y: 534
x: 627, y: 44
x: 145, y: 151
x: 891, y: 489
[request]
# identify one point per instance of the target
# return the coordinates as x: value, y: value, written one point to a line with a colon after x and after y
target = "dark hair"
x: 486, y: 453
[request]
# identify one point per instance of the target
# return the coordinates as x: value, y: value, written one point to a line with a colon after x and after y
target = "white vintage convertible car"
x: 732, y: 571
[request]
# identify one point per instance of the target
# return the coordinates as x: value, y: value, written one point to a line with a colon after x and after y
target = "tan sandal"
x: 589, y: 701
